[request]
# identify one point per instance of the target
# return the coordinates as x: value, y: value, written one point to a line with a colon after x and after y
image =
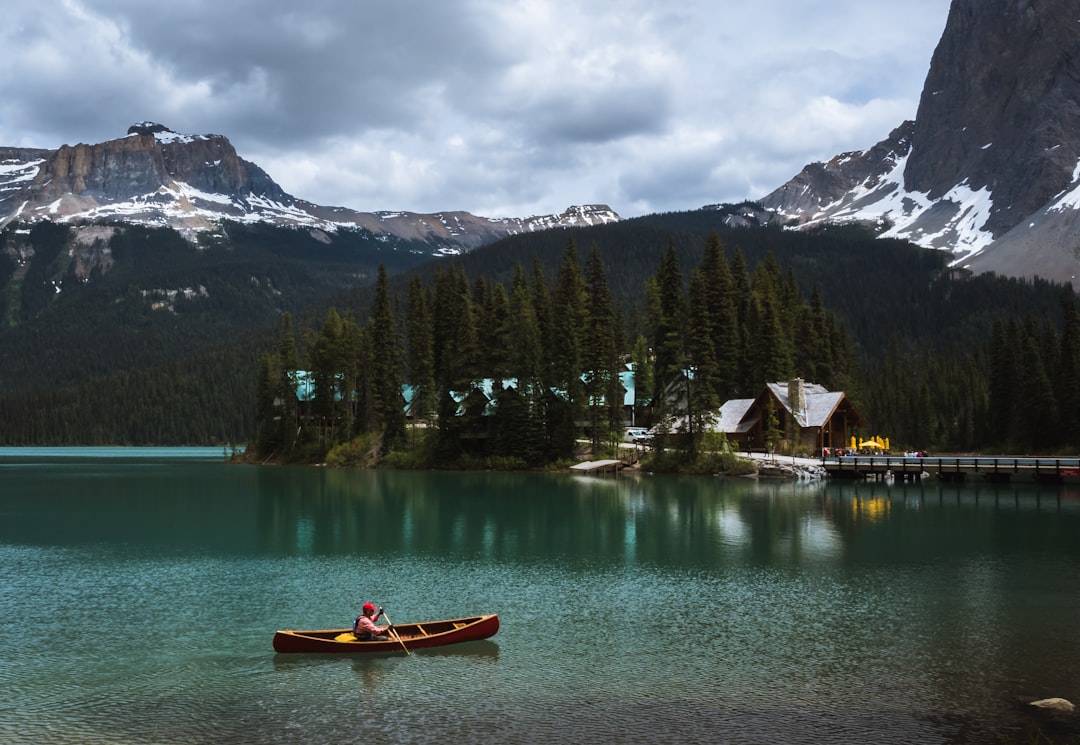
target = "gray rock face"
x: 190, y: 182
x: 990, y: 168
x: 1001, y: 106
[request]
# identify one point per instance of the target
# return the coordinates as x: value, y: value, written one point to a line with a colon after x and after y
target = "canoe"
x: 413, y: 635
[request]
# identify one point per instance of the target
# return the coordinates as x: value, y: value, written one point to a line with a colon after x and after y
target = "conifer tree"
x: 600, y: 353
x: 453, y: 353
x: 386, y: 365
x: 1068, y: 371
x: 519, y: 429
x: 667, y: 315
x: 287, y: 365
x: 492, y: 309
x: 723, y: 315
x: 749, y: 381
x: 1005, y: 381
x: 329, y: 358
x: 703, y: 398
x: 566, y: 356
x: 643, y: 375
x: 268, y: 412
x: 1040, y: 405
x: 421, y: 361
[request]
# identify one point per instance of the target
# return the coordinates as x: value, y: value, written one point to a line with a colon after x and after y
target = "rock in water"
x: 1055, y: 704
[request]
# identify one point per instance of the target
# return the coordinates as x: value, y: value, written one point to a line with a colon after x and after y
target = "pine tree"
x: 329, y: 358
x: 667, y: 315
x: 749, y: 380
x: 1005, y: 381
x: 600, y: 354
x: 643, y: 376
x: 566, y: 356
x: 421, y: 360
x: 519, y: 428
x: 723, y: 314
x: 453, y: 353
x: 1068, y: 371
x: 386, y: 373
x: 703, y: 398
x: 287, y: 365
x: 1040, y: 407
x: 268, y: 412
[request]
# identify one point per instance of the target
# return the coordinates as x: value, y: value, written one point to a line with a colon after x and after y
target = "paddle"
x: 394, y: 632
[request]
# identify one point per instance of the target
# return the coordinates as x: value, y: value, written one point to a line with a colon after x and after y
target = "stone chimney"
x: 796, y: 393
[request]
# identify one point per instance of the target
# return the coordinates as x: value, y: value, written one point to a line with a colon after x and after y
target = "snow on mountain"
x: 988, y: 169
x: 191, y: 183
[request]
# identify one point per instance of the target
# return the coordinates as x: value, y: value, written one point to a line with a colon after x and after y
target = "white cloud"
x: 498, y: 107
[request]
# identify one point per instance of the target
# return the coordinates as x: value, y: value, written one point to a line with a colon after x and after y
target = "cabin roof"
x: 820, y: 403
x: 732, y: 413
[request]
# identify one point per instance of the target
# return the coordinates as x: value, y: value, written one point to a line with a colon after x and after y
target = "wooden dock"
x: 592, y: 466
x: 954, y: 468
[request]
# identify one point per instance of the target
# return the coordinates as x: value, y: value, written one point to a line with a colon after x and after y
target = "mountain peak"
x: 148, y: 128
x: 994, y: 148
x: 191, y: 183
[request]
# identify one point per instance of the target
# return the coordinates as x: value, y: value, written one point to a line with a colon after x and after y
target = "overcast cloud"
x: 503, y: 108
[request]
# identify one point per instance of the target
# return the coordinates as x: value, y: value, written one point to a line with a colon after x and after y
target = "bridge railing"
x: 949, y: 463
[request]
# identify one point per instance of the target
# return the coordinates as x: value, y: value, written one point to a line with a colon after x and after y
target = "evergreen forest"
x: 170, y: 343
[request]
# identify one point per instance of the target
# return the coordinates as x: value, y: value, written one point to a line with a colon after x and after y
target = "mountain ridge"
x: 155, y: 176
x: 990, y: 167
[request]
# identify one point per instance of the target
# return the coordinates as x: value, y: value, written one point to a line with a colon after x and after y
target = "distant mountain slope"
x: 990, y: 168
x: 154, y: 176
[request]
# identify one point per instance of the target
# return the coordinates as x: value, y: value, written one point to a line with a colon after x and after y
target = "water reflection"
x: 793, y: 612
x: 538, y: 517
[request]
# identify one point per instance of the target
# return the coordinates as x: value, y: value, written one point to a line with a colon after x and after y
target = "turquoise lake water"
x: 140, y: 589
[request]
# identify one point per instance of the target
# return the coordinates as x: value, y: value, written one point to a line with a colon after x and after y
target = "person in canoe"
x: 365, y: 627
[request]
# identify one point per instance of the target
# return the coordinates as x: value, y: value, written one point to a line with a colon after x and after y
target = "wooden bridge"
x: 953, y: 468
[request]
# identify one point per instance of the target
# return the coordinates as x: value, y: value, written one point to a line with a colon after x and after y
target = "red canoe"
x: 413, y: 636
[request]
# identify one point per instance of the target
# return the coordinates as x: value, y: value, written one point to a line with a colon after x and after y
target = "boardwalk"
x: 954, y: 468
x: 598, y: 465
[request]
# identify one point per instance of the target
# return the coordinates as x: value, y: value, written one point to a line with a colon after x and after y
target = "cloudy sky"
x: 503, y: 108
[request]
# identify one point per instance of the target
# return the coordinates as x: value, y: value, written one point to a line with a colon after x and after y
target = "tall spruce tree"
x: 723, y: 315
x: 421, y: 360
x: 566, y: 356
x: 287, y: 364
x: 667, y: 316
x: 329, y: 358
x: 600, y: 354
x: 453, y: 353
x: 1068, y: 372
x: 703, y: 397
x: 643, y: 376
x: 519, y: 426
x: 386, y: 365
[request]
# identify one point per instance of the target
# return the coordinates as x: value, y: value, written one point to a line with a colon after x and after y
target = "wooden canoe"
x: 413, y: 635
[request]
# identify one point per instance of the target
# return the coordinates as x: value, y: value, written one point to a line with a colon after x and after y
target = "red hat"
x: 369, y: 607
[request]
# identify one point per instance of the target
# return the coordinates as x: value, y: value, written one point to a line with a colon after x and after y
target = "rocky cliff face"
x: 149, y: 158
x: 191, y: 182
x: 992, y: 156
x: 1001, y: 106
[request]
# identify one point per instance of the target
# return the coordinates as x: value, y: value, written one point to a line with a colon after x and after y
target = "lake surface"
x: 140, y: 589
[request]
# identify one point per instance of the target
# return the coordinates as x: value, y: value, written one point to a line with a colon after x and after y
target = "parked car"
x: 637, y: 434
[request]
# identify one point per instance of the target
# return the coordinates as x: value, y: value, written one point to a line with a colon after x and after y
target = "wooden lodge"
x: 807, y: 414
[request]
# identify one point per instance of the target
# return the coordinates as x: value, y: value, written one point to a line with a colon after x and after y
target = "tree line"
x: 553, y: 351
x: 1016, y: 391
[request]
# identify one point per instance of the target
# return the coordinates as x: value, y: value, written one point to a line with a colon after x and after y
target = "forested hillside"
x: 941, y: 360
x: 145, y: 338
x: 553, y: 351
